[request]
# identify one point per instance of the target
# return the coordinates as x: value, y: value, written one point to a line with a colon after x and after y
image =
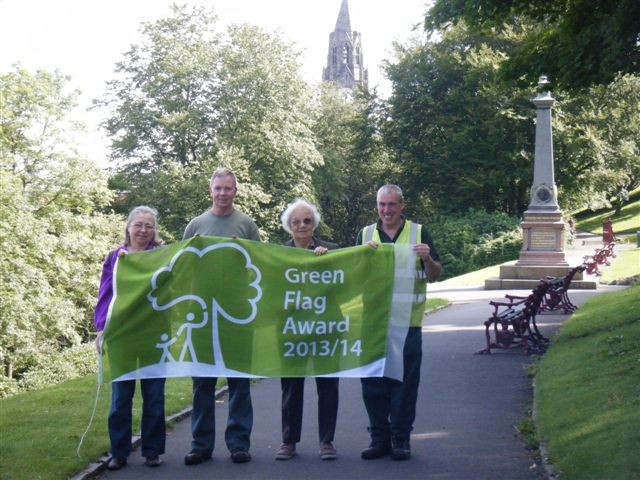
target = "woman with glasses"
x: 300, y: 220
x: 140, y: 234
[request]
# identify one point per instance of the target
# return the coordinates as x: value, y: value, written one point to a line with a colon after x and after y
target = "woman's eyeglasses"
x: 304, y: 221
x: 140, y: 226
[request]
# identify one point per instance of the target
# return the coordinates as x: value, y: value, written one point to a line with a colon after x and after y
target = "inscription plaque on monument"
x: 542, y: 239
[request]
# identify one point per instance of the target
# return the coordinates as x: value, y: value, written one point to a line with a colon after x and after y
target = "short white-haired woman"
x: 300, y: 219
x: 140, y: 234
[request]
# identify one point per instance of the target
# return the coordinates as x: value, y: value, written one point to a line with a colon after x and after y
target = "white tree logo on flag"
x: 210, y: 307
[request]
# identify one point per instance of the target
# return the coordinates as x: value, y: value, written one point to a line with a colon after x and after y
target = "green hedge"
x: 475, y: 240
x: 72, y: 362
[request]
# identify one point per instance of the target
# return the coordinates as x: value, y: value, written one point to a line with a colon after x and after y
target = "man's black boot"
x: 400, y: 449
x: 376, y: 449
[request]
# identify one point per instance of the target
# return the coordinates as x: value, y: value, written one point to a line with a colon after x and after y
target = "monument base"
x: 543, y: 239
x: 527, y: 277
x: 542, y: 255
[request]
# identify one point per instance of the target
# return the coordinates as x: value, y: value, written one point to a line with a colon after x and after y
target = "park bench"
x: 608, y: 235
x: 599, y: 257
x: 608, y: 250
x: 609, y: 240
x: 513, y: 323
x: 557, y: 295
x: 591, y: 265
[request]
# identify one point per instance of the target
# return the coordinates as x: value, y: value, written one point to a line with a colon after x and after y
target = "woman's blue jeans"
x: 152, y: 425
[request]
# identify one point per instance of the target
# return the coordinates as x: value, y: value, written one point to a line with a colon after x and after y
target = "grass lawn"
x: 436, y: 303
x: 41, y: 430
x: 627, y: 265
x: 588, y: 390
x: 474, y: 278
x: 628, y: 222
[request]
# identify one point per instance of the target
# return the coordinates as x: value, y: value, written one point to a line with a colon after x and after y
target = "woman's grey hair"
x: 299, y: 202
x: 133, y: 214
x: 390, y: 188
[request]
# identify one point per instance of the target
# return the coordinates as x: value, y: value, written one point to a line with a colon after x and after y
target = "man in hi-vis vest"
x: 391, y: 404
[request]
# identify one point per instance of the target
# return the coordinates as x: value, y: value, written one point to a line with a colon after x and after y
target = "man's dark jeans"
x: 390, y: 404
x: 203, y: 417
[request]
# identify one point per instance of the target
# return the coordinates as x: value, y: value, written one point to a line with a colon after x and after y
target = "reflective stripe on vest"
x: 413, y: 298
x: 413, y: 294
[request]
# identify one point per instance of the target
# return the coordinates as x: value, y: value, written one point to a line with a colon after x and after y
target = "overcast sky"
x: 85, y: 38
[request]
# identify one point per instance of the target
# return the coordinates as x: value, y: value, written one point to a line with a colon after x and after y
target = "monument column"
x: 542, y: 225
x: 543, y: 230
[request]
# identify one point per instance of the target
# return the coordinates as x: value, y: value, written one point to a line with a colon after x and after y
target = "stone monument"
x: 543, y: 229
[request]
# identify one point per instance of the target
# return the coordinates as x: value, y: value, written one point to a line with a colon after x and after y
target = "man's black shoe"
x: 240, y: 456
x: 194, y: 458
x: 400, y: 450
x: 376, y: 450
x: 116, y: 463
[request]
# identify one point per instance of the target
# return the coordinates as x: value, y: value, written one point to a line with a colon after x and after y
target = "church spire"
x: 343, y: 24
x: 345, y: 64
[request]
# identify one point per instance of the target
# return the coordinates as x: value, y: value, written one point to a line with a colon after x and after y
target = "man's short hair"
x: 391, y: 188
x: 223, y: 172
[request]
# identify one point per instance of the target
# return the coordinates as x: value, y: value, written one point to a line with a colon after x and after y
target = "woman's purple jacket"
x: 105, y: 292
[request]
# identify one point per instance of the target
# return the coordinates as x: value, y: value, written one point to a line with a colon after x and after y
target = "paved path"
x: 468, y: 407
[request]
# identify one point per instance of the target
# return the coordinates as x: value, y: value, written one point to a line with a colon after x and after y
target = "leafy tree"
x: 356, y: 161
x: 597, y: 144
x: 577, y: 43
x: 464, y: 138
x: 190, y: 97
x: 53, y: 238
x: 165, y: 95
x: 460, y: 138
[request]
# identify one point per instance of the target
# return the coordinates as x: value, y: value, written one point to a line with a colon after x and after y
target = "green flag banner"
x: 212, y: 306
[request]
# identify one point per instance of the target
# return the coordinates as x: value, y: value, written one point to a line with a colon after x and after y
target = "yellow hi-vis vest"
x: 411, y: 234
